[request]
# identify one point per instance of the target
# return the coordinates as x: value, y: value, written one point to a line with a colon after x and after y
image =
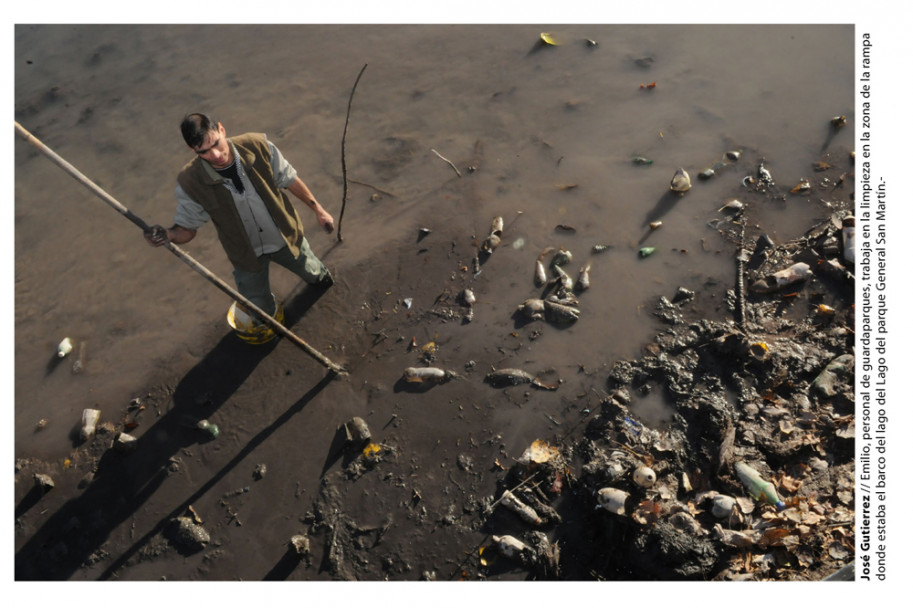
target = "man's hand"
x: 156, y: 236
x: 325, y: 219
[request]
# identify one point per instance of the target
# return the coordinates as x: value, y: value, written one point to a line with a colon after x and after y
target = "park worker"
x: 240, y: 184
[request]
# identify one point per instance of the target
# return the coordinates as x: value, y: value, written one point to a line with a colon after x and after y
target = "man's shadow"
x: 123, y: 481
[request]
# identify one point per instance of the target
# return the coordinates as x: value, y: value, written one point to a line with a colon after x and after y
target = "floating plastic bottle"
x: 758, y: 488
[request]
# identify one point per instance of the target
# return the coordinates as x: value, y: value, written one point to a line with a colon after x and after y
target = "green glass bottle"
x: 758, y: 488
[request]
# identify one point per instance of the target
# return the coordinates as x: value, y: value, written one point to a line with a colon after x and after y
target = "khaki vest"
x: 205, y: 187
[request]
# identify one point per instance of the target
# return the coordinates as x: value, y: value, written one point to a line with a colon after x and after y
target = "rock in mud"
x: 188, y: 536
x: 300, y: 546
x: 44, y: 482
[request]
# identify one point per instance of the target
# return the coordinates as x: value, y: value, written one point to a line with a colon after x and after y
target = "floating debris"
x: 732, y: 205
x: 722, y: 506
x: 652, y: 85
x: 803, y: 187
x: 547, y: 39
x: 583, y: 278
x: 510, y: 547
x: 526, y: 513
x: 562, y: 258
x: 821, y: 166
x: 357, y: 432
x: 681, y: 181
x: 644, y: 476
x: 208, y: 427
x: 640, y: 160
x: 646, y: 251
x: 65, y: 347
x: 794, y: 274
x: 539, y: 452
x: 534, y: 308
x: 560, y: 313
x: 758, y: 488
x: 565, y: 228
x: 427, y: 374
x: 89, y: 422
x: 764, y: 175
x: 612, y: 500
x: 734, y: 155
x: 469, y: 298
x: 838, y: 121
x: 656, y: 224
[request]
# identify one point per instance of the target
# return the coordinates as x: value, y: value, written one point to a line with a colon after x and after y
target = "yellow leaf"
x: 549, y: 39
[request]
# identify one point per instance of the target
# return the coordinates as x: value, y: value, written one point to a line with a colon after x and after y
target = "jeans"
x: 255, y: 285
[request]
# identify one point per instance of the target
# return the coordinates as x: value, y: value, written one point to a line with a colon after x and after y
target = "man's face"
x: 215, y: 148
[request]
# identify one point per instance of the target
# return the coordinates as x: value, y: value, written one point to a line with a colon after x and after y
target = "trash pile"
x: 754, y: 478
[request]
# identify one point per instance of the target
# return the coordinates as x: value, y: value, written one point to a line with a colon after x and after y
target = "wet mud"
x: 690, y: 361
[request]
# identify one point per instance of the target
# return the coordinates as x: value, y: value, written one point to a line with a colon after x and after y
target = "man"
x: 238, y: 184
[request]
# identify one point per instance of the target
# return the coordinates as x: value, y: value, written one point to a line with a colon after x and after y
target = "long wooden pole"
x: 183, y: 255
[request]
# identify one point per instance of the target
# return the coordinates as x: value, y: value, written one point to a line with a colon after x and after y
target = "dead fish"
x: 427, y: 374
x: 497, y: 225
x: 733, y: 205
x: 803, y: 187
x: 562, y: 257
x: 564, y: 280
x: 583, y: 278
x: 560, y: 313
x: 509, y: 377
x: 512, y: 377
x: 541, y: 278
x: 491, y: 242
x: 564, y: 298
x: 534, y: 308
x: 681, y: 181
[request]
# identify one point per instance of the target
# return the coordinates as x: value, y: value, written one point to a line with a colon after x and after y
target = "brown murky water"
x: 552, y: 132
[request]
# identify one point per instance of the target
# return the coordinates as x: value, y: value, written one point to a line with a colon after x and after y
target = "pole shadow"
x: 122, y: 482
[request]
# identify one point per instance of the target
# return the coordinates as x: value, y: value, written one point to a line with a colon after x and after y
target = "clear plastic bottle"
x: 758, y: 488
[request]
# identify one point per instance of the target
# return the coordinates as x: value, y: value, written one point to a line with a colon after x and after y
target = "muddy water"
x: 550, y: 130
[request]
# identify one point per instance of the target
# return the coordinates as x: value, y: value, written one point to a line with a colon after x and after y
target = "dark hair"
x: 195, y: 126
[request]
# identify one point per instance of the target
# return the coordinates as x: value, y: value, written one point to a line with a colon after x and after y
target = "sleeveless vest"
x: 205, y: 187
